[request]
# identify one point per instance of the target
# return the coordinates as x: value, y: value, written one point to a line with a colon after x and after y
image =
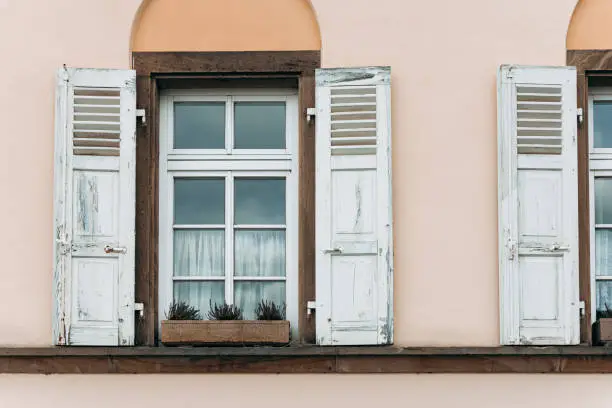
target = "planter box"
x: 602, y: 329
x: 208, y: 332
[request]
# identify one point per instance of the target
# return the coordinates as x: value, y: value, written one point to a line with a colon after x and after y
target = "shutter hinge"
x: 582, y: 308
x: 140, y: 113
x: 139, y: 307
x: 310, y: 114
x: 310, y: 307
x: 65, y: 76
x: 580, y: 114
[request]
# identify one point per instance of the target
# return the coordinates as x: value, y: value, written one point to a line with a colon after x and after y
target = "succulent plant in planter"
x: 182, y: 311
x: 268, y: 310
x: 224, y: 312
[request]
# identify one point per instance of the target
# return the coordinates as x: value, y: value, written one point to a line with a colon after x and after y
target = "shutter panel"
x: 354, y: 258
x: 94, y: 207
x: 538, y: 205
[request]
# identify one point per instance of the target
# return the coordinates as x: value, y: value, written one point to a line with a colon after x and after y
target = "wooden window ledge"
x: 305, y: 359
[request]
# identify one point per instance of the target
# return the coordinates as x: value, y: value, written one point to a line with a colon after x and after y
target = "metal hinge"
x: 310, y: 114
x: 580, y: 114
x: 140, y: 113
x: 311, y: 306
x: 582, y: 308
x: 139, y: 307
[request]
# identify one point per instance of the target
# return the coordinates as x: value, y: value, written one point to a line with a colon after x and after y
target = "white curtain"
x: 603, y: 267
x: 198, y: 294
x: 199, y: 253
x: 259, y: 253
x: 247, y: 294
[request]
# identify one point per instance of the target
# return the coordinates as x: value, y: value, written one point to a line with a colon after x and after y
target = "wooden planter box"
x: 209, y: 332
x: 602, y: 329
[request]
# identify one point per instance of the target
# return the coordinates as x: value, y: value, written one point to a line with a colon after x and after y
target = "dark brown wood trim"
x: 588, y: 63
x: 308, y: 359
x: 306, y: 233
x: 151, y: 68
x: 147, y: 63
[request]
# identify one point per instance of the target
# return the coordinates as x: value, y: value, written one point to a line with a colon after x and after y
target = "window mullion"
x: 229, y: 239
x: 229, y: 128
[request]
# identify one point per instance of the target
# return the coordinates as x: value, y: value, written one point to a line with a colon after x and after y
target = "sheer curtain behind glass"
x: 603, y: 242
x: 259, y: 253
x: 199, y: 247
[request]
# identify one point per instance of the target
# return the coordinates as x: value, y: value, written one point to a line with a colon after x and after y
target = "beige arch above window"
x: 591, y: 26
x: 228, y: 25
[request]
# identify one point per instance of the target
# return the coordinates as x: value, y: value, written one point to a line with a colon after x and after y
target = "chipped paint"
x: 87, y: 204
x: 353, y: 76
x: 358, y: 226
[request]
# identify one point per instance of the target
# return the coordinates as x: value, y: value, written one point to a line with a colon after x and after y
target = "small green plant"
x: 268, y: 310
x: 603, y: 314
x: 224, y: 312
x: 182, y: 311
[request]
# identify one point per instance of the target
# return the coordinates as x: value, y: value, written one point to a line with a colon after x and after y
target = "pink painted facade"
x: 444, y: 56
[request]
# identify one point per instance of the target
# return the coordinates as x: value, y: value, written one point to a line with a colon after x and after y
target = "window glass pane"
x: 603, y: 201
x: 259, y: 201
x: 248, y: 294
x: 603, y: 252
x: 199, y: 201
x: 259, y: 253
x: 602, y: 124
x: 199, y: 253
x: 199, y: 125
x: 604, y: 295
x: 199, y: 294
x: 259, y: 125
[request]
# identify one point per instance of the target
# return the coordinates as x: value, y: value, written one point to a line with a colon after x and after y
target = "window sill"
x: 305, y: 359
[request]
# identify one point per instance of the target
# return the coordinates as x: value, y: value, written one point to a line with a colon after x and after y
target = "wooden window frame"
x: 152, y: 68
x: 589, y: 64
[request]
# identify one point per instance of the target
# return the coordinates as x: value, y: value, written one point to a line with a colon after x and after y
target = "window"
x: 214, y: 216
x: 228, y: 199
x: 600, y: 164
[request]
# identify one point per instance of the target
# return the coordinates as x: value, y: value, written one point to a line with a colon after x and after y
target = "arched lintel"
x: 230, y: 25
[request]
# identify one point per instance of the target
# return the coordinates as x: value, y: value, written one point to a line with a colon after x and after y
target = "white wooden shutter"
x: 94, y: 207
x: 538, y: 205
x: 354, y: 257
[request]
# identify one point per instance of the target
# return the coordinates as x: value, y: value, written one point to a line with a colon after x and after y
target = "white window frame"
x: 600, y: 166
x: 230, y: 164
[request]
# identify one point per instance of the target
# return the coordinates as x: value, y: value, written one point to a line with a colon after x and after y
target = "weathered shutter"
x: 94, y: 207
x: 538, y: 205
x: 354, y: 250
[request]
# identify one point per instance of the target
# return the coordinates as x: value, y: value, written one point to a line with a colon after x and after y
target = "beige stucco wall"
x: 444, y: 55
x: 306, y: 391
